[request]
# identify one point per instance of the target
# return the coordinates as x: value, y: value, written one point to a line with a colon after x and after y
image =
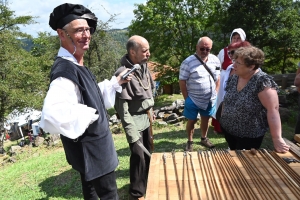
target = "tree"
x: 17, y: 87
x: 104, y: 54
x: 217, y: 26
x: 284, y: 45
x: 272, y: 25
x: 172, y: 28
x: 43, y: 52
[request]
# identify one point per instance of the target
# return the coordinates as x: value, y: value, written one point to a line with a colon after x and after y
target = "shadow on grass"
x: 124, y: 151
x: 123, y: 192
x: 122, y: 172
x: 176, y: 140
x: 66, y: 185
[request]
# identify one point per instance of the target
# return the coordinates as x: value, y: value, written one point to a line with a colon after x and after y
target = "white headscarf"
x: 241, y: 32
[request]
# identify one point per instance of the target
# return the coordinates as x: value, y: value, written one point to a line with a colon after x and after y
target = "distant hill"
x: 117, y: 34
x: 27, y: 44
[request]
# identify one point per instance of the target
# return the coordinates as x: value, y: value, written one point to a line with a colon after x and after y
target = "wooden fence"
x: 284, y: 80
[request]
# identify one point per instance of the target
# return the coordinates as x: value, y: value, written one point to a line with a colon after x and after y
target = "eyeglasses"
x: 205, y: 49
x: 230, y: 52
x: 80, y: 31
x: 236, y: 62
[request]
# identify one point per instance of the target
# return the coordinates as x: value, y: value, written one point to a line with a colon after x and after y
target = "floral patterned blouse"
x: 243, y: 114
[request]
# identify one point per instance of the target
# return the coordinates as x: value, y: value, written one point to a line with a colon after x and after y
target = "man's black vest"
x: 90, y: 92
x: 94, y: 153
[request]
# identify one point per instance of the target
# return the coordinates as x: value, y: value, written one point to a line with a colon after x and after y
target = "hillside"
x: 27, y: 44
x: 119, y: 35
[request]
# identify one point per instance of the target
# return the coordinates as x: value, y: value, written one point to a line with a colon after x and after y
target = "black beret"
x: 65, y: 13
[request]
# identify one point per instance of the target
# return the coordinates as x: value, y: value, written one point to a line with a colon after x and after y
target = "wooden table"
x: 221, y: 174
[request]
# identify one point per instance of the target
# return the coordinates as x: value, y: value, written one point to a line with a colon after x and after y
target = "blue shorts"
x: 191, y: 110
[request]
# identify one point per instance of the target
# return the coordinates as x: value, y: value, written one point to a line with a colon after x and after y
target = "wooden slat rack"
x: 222, y: 174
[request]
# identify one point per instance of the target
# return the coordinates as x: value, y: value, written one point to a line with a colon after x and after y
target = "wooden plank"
x: 153, y: 177
x: 189, y: 177
x: 297, y: 138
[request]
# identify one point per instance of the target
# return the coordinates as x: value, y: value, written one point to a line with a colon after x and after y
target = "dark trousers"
x: 139, y: 165
x: 238, y: 143
x: 297, y: 128
x: 104, y: 187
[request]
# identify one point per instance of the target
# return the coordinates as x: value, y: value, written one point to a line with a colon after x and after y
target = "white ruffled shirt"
x: 221, y: 56
x: 223, y: 81
x: 63, y: 114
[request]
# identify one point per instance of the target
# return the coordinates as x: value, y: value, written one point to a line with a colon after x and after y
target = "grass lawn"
x: 43, y: 173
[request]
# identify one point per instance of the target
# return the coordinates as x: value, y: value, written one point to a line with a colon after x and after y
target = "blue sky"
x: 42, y: 9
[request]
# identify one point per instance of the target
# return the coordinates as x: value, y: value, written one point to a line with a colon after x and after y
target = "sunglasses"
x: 205, y: 49
x: 230, y: 52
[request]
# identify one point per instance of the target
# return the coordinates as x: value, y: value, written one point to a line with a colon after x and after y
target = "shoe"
x: 189, y: 146
x: 207, y: 143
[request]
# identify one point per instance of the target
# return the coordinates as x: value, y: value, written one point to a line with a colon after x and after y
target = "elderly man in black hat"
x: 75, y: 104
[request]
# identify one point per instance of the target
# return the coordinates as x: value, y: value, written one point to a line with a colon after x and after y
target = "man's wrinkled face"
x: 79, y: 33
x: 141, y: 54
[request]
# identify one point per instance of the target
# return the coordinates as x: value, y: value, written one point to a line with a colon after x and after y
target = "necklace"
x: 140, y: 81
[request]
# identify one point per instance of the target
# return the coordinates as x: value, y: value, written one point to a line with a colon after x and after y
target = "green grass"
x: 166, y: 100
x: 43, y: 173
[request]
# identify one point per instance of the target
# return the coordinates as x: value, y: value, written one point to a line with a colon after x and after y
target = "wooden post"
x: 284, y: 81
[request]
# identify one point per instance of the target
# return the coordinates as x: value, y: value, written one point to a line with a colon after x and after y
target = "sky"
x: 42, y: 9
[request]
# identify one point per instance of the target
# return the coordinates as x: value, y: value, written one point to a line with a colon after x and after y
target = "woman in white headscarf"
x: 237, y: 35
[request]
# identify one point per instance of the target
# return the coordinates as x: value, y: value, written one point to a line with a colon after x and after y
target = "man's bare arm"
x: 182, y: 85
